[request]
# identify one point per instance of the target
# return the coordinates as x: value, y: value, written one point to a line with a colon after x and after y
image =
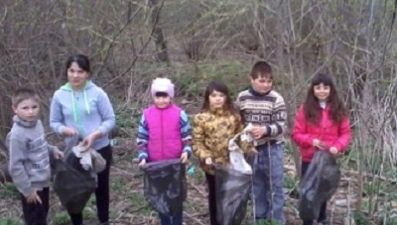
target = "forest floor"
x: 128, y: 205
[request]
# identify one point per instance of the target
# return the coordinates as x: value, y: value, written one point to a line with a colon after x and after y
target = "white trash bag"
x: 236, y: 155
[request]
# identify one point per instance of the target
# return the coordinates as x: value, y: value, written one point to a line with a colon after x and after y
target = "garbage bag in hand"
x: 72, y: 183
x: 237, y: 158
x: 232, y: 193
x: 318, y: 184
x: 90, y: 159
x: 165, y: 186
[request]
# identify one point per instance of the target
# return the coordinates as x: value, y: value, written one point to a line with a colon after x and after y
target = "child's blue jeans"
x: 174, y: 220
x: 268, y: 183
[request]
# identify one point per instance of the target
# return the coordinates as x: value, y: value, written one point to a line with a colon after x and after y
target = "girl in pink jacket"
x: 321, y: 124
x: 164, y: 133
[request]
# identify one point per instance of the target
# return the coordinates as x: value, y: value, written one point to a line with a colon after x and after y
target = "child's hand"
x: 58, y: 155
x: 258, y: 132
x: 253, y: 151
x: 184, y: 157
x: 34, y: 198
x: 142, y: 163
x: 334, y: 151
x: 68, y: 132
x: 208, y: 161
x: 318, y: 144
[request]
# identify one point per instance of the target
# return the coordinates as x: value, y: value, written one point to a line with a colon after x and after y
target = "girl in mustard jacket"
x: 213, y: 127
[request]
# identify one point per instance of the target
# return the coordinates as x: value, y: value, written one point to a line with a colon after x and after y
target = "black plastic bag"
x: 233, y: 190
x: 318, y: 184
x: 165, y: 186
x: 72, y: 183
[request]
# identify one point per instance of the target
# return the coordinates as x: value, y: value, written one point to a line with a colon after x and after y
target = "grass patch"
x: 198, y: 175
x: 118, y: 185
x: 9, y: 190
x: 291, y: 183
x: 391, y: 221
x: 62, y: 218
x: 263, y: 222
x: 192, y: 80
x: 126, y: 119
x: 360, y: 219
x: 138, y: 202
x: 4, y: 221
x: 131, y: 156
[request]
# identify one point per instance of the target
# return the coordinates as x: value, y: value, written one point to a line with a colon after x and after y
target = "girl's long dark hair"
x: 218, y: 86
x: 312, y: 108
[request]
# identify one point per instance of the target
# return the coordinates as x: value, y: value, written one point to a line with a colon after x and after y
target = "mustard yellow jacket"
x: 211, y: 133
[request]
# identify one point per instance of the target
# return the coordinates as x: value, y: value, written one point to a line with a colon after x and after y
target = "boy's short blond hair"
x: 23, y: 94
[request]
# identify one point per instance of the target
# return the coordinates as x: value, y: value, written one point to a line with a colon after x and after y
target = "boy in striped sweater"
x: 265, y: 109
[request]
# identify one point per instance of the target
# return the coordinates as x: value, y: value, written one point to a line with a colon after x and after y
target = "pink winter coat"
x: 164, y: 128
x: 332, y: 135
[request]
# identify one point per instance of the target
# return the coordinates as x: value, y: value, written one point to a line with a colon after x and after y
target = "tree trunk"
x: 158, y: 36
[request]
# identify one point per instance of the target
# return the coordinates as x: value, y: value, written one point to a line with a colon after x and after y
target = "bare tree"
x: 158, y: 35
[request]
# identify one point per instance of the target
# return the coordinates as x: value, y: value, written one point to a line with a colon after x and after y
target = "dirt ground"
x: 128, y: 205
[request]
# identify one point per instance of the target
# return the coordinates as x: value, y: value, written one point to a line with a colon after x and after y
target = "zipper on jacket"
x: 162, y: 135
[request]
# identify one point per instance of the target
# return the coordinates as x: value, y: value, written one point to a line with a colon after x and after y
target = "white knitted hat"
x: 162, y: 85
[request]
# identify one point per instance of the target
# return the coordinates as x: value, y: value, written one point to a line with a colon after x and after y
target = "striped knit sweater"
x: 267, y: 110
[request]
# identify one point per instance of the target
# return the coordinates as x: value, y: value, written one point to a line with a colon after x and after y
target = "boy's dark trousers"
x: 36, y: 213
x: 323, y: 211
x: 212, y: 198
x: 101, y: 192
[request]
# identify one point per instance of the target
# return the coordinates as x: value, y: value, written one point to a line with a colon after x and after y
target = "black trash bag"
x: 233, y: 190
x: 318, y: 185
x: 72, y: 183
x: 165, y: 186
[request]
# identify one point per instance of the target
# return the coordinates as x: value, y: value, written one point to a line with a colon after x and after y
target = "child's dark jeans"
x: 36, y: 213
x: 268, y: 182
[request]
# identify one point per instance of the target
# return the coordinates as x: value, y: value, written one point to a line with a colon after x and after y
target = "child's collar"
x: 323, y: 104
x: 218, y: 111
x: 23, y: 123
x: 168, y: 106
x: 255, y: 93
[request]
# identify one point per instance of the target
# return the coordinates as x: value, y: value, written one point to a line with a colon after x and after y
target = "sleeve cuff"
x: 102, y: 129
x: 268, y: 131
x: 206, y: 156
x: 142, y: 156
x: 338, y: 147
x: 188, y: 149
x: 26, y: 192
x: 60, y: 129
x: 310, y: 141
